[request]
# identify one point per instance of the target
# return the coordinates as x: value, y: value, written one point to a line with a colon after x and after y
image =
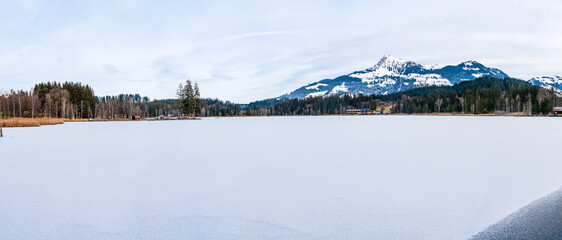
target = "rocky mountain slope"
x: 391, y: 75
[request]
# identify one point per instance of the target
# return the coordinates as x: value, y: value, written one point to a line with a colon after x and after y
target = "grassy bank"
x: 35, y: 122
x: 29, y: 122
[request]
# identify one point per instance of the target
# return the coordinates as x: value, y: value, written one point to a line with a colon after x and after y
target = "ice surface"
x: 349, y: 177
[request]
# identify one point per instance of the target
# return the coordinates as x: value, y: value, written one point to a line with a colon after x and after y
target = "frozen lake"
x: 354, y: 177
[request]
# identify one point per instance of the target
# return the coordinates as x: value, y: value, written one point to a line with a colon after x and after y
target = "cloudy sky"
x: 251, y: 50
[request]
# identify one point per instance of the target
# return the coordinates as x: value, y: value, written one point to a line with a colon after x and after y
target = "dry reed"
x: 76, y: 120
x: 29, y: 122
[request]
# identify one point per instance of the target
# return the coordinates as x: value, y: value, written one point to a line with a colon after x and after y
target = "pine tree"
x: 180, y: 93
x: 197, y: 99
x: 189, y: 101
x: 546, y: 106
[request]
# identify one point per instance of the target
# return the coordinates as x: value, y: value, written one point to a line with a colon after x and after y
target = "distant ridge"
x: 548, y: 82
x: 392, y: 74
x: 542, y: 219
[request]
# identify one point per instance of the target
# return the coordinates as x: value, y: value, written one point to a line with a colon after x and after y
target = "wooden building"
x: 353, y: 111
x: 557, y: 110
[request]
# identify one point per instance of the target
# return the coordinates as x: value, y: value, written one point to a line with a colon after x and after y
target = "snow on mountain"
x: 339, y: 88
x: 316, y: 86
x: 548, y: 82
x: 316, y: 94
x: 392, y: 74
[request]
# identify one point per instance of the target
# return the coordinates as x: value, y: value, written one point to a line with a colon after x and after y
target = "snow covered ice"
x: 341, y: 177
x: 542, y: 219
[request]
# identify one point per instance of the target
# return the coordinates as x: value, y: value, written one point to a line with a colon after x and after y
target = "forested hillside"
x: 483, y: 95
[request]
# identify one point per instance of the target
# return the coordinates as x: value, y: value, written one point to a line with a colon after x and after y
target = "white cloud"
x: 250, y: 50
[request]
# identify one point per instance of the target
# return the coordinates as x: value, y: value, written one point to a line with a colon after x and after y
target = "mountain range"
x: 392, y: 74
x: 548, y: 82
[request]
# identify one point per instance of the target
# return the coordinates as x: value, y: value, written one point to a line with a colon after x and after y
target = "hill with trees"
x: 479, y: 96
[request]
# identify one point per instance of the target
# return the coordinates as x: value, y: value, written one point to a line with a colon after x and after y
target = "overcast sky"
x: 251, y: 50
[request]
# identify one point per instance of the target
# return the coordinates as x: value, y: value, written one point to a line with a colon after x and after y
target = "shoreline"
x: 404, y: 114
x: 37, y: 122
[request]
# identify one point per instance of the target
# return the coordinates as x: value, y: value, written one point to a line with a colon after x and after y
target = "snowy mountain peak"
x: 548, y: 79
x: 389, y: 59
x: 470, y: 63
x: 388, y: 62
x: 471, y: 66
x: 392, y: 74
x: 548, y: 82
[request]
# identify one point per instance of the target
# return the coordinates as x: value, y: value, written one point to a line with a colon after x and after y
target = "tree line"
x: 480, y: 96
x: 52, y: 99
x: 189, y: 99
x: 75, y: 100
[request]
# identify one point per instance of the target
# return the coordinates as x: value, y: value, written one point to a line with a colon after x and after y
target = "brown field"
x: 29, y: 122
x: 35, y: 122
x: 76, y: 120
x: 109, y: 120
